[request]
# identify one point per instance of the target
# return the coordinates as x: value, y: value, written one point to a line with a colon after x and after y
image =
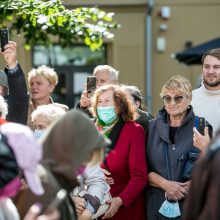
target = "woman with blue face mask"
x: 43, y: 116
x: 172, y: 151
x: 124, y: 162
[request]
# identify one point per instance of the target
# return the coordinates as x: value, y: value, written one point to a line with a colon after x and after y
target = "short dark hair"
x: 213, y: 52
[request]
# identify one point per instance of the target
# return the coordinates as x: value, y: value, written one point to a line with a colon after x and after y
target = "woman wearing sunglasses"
x: 172, y: 148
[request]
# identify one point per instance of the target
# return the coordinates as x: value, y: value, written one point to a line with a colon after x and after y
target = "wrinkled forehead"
x: 103, y: 75
x: 39, y: 78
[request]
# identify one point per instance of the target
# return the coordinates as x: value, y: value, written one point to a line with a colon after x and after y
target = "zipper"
x: 172, y: 167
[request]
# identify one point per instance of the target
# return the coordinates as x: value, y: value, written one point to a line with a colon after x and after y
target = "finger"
x: 183, y: 184
x: 106, y: 172
x: 196, y: 132
x: 33, y: 212
x: 108, y: 214
x: 180, y: 195
x: 206, y: 131
x: 85, y: 87
x: 110, y: 179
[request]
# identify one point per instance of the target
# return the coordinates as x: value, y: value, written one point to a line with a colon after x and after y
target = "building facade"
x: 163, y: 26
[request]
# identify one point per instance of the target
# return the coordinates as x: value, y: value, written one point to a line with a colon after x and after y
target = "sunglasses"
x: 177, y: 99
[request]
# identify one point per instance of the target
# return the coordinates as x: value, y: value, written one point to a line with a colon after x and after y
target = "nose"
x: 172, y: 102
x: 210, y: 70
x: 33, y: 86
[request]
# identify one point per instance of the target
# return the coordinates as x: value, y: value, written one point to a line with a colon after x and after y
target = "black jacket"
x: 17, y: 98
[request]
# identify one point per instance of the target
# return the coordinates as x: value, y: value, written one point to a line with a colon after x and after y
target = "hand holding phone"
x: 200, y: 124
x: 4, y: 37
x: 91, y: 85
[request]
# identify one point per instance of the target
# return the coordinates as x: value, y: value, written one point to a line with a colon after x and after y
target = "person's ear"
x: 190, y: 98
x: 51, y: 88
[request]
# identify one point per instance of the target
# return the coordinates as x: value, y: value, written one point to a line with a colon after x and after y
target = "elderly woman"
x: 170, y: 145
x: 124, y: 162
x: 44, y: 115
x: 41, y: 82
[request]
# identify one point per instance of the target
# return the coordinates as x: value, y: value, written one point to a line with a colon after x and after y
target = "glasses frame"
x: 177, y: 99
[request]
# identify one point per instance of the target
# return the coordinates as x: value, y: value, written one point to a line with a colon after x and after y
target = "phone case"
x: 201, y: 125
x: 91, y: 85
x: 4, y: 36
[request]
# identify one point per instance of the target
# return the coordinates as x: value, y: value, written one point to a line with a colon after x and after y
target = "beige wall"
x: 188, y: 22
x: 128, y: 48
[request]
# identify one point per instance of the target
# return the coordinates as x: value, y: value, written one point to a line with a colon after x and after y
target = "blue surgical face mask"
x: 170, y: 210
x: 38, y: 133
x: 106, y: 114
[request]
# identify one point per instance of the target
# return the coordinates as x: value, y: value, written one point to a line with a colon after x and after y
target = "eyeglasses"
x: 177, y: 99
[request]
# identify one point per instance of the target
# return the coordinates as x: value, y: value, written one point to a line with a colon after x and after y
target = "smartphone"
x: 91, y: 85
x: 201, y: 125
x: 4, y: 37
x: 60, y: 197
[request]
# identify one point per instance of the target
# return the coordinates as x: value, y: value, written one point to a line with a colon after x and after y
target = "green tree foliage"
x: 39, y: 19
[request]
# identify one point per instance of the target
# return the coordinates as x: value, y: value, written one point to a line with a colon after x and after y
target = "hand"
x: 10, y: 54
x: 115, y: 203
x: 187, y: 186
x: 108, y: 177
x: 175, y: 190
x: 201, y: 141
x: 34, y: 214
x: 84, y: 100
x: 80, y: 204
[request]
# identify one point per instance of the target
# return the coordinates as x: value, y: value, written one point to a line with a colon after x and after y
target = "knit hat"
x: 3, y: 79
x: 27, y: 151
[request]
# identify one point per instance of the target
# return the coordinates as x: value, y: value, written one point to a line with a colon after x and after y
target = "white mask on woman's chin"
x: 38, y: 133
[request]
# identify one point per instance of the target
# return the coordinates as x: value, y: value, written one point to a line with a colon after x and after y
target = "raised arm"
x: 17, y: 97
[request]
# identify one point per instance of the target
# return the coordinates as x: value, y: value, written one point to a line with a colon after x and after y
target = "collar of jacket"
x: 162, y: 124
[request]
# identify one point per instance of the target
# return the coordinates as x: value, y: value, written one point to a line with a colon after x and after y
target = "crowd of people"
x: 108, y: 158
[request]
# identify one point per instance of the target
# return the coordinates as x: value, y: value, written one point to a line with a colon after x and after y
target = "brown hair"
x: 123, y: 104
x: 213, y: 52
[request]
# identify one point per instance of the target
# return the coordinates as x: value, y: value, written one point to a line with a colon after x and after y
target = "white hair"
x: 3, y: 108
x: 113, y: 72
x: 48, y: 112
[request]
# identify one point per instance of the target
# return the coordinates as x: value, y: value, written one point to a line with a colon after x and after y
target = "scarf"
x: 112, y: 132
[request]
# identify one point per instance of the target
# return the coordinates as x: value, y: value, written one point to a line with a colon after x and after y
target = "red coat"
x: 127, y: 165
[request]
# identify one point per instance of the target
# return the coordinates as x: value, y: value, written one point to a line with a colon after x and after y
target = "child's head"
x: 95, y: 157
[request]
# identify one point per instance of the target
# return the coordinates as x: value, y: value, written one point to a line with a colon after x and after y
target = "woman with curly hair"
x: 124, y: 163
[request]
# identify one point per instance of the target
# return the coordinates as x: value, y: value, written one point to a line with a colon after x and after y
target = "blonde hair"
x: 3, y: 108
x: 178, y: 83
x: 46, y: 72
x: 95, y: 157
x: 48, y: 113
